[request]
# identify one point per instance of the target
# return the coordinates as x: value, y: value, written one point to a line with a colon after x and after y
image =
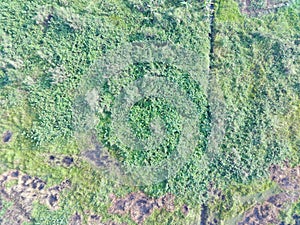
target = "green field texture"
x: 48, y: 49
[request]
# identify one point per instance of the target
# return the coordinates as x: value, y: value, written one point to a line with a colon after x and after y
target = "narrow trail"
x: 212, y: 29
x: 204, y: 213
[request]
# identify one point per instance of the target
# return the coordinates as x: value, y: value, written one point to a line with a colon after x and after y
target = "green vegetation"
x: 48, y: 50
x: 42, y: 215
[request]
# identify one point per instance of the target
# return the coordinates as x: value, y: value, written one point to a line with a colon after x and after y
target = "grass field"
x: 153, y: 112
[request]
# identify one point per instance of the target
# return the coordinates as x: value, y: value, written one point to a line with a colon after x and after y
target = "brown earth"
x: 97, y: 158
x: 208, y: 216
x: 140, y: 206
x: 288, y: 179
x: 270, y: 6
x: 268, y: 211
x: 185, y: 210
x: 22, y: 190
x: 93, y: 219
x: 75, y: 219
x: 60, y: 160
x: 100, y: 158
x: 6, y: 137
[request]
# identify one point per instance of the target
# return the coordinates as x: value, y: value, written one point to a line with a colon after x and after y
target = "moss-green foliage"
x: 42, y: 215
x: 142, y: 117
x: 258, y: 71
x: 47, y: 48
x: 146, y: 111
x: 257, y: 64
x: 227, y: 10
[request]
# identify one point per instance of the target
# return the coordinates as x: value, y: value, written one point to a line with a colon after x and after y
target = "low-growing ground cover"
x: 68, y: 76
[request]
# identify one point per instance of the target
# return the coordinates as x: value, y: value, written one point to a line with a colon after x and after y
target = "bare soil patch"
x: 288, y: 179
x: 185, y: 210
x: 208, y: 216
x: 251, y: 8
x: 24, y: 191
x: 6, y: 137
x: 75, y: 219
x: 93, y: 219
x: 140, y: 206
x: 60, y: 160
x: 100, y: 158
